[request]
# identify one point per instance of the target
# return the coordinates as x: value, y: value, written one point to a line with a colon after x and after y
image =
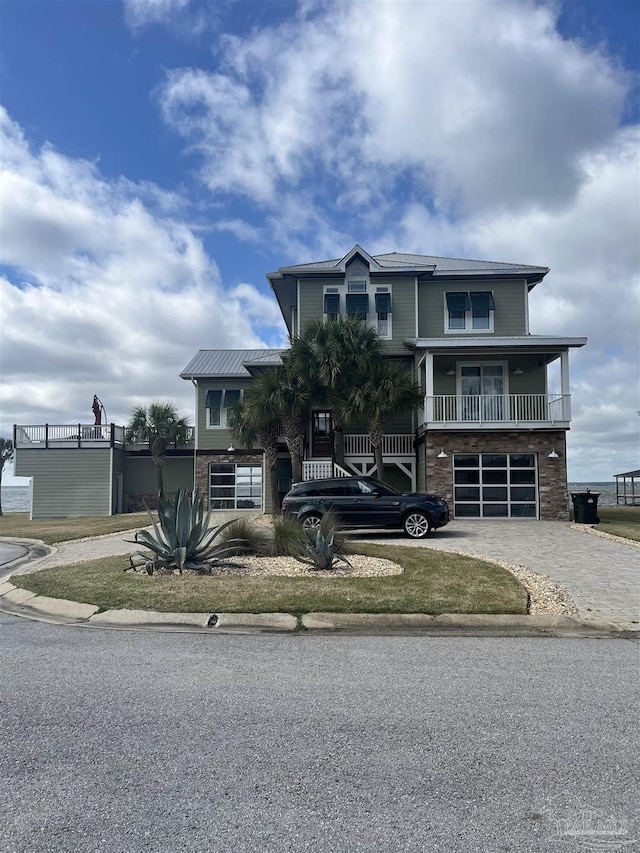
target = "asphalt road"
x: 123, y: 741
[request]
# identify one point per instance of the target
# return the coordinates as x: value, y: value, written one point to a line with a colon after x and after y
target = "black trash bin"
x: 585, y: 507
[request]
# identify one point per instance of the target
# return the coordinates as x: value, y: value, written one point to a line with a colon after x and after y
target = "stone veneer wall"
x: 204, y: 458
x: 552, y: 473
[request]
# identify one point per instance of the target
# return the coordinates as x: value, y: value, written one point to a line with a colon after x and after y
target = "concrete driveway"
x: 602, y: 575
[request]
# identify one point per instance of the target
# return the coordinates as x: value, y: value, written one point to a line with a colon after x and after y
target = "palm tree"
x: 291, y: 398
x: 6, y: 454
x: 159, y: 424
x: 255, y: 421
x: 389, y: 389
x: 332, y: 357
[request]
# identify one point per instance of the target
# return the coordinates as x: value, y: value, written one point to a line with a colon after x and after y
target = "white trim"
x: 111, y: 452
x: 417, y: 303
x: 526, y: 307
x: 468, y: 318
x: 297, y: 330
x: 223, y: 418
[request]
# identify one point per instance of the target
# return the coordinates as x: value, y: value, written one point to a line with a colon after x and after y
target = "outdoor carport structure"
x: 628, y: 488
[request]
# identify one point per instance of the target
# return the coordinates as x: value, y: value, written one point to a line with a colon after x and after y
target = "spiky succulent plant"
x: 321, y: 551
x: 182, y: 538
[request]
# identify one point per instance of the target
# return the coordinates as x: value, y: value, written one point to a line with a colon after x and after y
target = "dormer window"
x: 469, y: 311
x: 354, y: 299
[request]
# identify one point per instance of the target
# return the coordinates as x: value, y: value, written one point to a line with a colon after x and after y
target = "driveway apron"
x: 601, y: 575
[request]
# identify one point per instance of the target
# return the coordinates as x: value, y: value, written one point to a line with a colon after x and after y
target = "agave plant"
x: 321, y: 551
x: 183, y: 539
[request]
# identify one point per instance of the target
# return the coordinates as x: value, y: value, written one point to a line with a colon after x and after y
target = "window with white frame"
x: 354, y: 300
x: 218, y: 405
x: 469, y: 311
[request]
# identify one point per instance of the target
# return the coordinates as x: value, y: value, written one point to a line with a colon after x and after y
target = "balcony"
x: 47, y: 436
x: 497, y: 411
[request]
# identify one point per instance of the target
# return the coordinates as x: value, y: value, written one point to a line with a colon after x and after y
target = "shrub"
x: 288, y: 537
x: 183, y: 539
x: 256, y: 539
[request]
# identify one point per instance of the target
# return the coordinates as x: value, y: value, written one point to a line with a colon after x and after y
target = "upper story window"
x: 218, y: 405
x: 353, y: 299
x: 469, y: 311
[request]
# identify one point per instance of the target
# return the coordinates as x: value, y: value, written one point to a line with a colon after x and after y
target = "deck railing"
x: 67, y: 435
x: 394, y: 444
x: 497, y: 408
x: 36, y: 436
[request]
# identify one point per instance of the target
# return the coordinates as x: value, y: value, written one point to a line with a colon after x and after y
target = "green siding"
x: 402, y: 303
x: 214, y: 438
x: 531, y: 381
x: 67, y: 483
x: 509, y: 297
x: 177, y: 473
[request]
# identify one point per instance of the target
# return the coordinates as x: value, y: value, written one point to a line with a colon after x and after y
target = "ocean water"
x: 16, y: 498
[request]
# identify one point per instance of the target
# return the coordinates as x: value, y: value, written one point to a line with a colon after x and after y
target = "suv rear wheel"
x: 417, y: 525
x: 311, y: 521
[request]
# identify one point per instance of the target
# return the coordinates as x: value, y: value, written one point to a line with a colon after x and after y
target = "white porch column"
x: 564, y: 385
x: 428, y: 384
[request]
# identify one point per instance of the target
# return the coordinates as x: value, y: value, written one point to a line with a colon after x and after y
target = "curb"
x: 20, y: 602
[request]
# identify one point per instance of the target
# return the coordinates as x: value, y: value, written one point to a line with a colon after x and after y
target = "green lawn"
x: 433, y: 582
x: 620, y: 521
x: 52, y: 530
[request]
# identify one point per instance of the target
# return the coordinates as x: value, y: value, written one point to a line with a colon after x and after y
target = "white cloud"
x: 138, y: 13
x: 102, y: 294
x: 483, y: 104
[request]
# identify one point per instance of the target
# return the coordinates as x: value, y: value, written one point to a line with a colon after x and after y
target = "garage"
x: 495, y: 485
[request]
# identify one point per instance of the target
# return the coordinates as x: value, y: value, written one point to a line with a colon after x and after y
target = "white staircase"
x: 321, y: 468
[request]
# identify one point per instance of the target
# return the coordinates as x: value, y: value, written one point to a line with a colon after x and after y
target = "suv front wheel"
x: 311, y: 521
x: 417, y: 525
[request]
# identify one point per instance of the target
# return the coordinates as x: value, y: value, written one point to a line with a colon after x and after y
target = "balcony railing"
x: 492, y: 409
x: 77, y: 435
x: 394, y: 444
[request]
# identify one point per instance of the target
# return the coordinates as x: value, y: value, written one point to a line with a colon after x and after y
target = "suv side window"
x: 364, y: 488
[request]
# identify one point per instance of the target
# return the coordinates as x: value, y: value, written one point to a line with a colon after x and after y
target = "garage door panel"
x: 495, y: 485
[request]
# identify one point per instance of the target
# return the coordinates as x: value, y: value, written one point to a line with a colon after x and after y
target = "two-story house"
x: 490, y: 435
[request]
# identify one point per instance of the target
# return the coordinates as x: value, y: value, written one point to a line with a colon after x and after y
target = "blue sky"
x: 160, y: 156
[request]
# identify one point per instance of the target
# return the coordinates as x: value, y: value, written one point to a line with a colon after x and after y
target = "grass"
x: 433, y: 582
x: 620, y: 521
x: 52, y: 530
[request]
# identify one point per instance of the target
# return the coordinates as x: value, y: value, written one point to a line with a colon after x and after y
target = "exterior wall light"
x: 553, y: 454
x: 442, y: 454
x: 231, y: 449
x: 451, y: 371
x: 518, y: 372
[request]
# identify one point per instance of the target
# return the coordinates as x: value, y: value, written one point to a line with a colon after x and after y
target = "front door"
x: 321, y: 435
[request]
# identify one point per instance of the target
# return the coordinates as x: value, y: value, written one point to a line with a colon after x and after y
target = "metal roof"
x: 229, y: 362
x: 403, y: 261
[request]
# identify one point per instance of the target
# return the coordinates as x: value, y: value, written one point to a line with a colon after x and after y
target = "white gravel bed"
x: 601, y: 533
x: 361, y: 566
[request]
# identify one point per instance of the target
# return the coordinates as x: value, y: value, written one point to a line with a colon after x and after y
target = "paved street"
x: 124, y: 741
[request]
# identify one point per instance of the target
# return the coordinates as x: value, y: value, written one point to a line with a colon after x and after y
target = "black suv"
x: 365, y: 502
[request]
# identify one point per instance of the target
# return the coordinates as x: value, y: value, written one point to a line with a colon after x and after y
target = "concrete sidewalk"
x: 601, y: 575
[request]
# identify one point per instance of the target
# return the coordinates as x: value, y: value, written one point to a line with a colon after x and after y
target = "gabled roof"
x: 403, y: 262
x: 208, y: 363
